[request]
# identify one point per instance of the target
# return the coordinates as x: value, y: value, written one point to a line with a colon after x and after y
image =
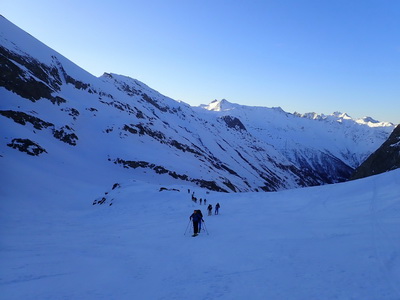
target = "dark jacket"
x: 195, y: 217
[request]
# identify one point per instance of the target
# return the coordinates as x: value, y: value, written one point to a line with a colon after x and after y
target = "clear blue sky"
x: 302, y: 55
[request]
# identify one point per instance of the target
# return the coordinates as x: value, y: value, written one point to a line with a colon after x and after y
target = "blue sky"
x: 303, y: 56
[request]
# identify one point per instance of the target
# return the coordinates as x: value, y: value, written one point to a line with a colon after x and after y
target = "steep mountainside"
x: 386, y: 158
x: 55, y: 112
x: 329, y: 146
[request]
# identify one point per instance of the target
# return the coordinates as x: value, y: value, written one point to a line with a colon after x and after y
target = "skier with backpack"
x: 217, y: 209
x: 195, y: 218
x: 209, y: 208
x: 201, y: 219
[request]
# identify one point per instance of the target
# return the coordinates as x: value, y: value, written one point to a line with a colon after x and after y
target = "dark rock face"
x: 386, y: 158
x: 233, y: 122
x: 211, y: 185
x: 27, y: 146
x: 15, y: 79
x: 148, y: 99
x: 66, y: 135
x: 74, y: 113
x: 23, y: 118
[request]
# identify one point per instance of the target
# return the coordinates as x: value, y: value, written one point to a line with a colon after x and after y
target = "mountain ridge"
x: 56, y: 111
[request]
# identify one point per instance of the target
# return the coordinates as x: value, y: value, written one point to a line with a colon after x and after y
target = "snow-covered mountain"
x: 55, y: 112
x: 321, y: 146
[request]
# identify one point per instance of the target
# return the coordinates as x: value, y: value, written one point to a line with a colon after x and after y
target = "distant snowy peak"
x: 340, y: 117
x: 224, y: 106
x: 337, y: 116
x: 369, y: 120
x: 373, y: 123
x: 220, y: 105
x: 310, y: 115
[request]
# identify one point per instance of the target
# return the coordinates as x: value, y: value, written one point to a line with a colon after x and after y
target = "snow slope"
x: 331, y: 242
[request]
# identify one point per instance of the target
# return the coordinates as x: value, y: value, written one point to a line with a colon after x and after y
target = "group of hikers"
x: 197, y: 217
x: 194, y: 199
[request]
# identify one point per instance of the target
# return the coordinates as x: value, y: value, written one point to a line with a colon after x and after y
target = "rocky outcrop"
x: 233, y: 122
x: 24, y: 118
x: 386, y: 158
x: 27, y: 146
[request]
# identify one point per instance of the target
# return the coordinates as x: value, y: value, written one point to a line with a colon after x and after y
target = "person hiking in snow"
x: 217, y: 208
x: 196, y: 218
x: 201, y: 218
x: 209, y: 208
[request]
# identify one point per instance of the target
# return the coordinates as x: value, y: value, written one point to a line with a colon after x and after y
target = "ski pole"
x: 205, y: 227
x: 187, y: 228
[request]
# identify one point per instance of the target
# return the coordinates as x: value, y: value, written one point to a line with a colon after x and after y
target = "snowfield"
x: 337, y: 241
